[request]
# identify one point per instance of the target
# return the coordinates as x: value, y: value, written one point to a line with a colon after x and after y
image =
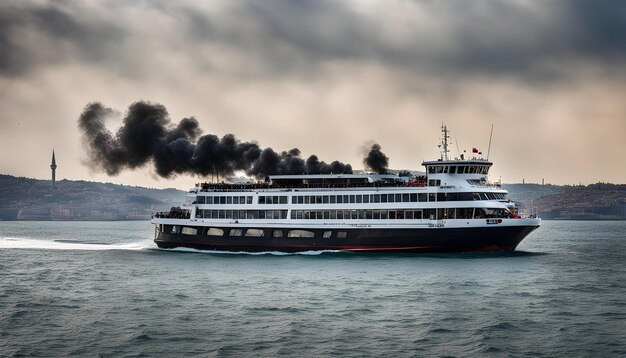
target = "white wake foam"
x: 26, y: 243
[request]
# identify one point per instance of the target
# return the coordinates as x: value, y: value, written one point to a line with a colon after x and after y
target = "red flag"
x: 474, y: 150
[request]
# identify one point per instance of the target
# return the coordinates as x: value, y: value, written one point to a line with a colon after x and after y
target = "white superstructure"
x: 453, y: 194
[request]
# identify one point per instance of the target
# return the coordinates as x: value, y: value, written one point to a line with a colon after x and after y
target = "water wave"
x: 157, y: 302
x: 64, y: 244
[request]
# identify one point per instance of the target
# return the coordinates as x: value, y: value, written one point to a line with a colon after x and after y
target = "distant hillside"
x: 33, y: 199
x: 519, y: 192
x: 592, y: 202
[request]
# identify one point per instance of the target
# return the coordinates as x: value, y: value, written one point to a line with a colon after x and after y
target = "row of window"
x: 359, y: 199
x: 201, y: 199
x: 356, y: 214
x: 241, y: 214
x: 400, y: 214
x: 460, y: 169
x: 275, y: 199
x: 352, y: 199
x: 470, y: 196
x: 362, y: 214
x: 214, y: 231
x: 394, y: 198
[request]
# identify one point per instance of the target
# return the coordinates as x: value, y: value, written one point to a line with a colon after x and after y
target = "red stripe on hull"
x: 384, y: 248
x: 490, y: 248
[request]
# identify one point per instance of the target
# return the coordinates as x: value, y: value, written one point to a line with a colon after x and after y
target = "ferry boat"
x: 451, y: 208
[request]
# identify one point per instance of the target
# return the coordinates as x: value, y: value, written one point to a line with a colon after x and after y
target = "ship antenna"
x: 444, y: 142
x: 490, y: 136
x: 457, y: 146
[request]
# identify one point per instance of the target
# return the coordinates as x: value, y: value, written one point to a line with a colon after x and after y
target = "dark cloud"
x: 148, y: 136
x: 284, y: 38
x: 291, y: 37
x: 602, y: 25
x: 62, y: 34
x: 517, y: 38
x: 455, y: 37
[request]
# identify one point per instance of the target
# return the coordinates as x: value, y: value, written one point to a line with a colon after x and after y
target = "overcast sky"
x: 326, y: 77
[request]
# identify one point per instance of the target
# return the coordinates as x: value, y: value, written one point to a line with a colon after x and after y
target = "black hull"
x: 485, y: 239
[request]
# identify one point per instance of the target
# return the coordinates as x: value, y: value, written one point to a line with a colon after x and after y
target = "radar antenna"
x: 444, y: 142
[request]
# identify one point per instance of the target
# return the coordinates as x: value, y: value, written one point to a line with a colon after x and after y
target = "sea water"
x: 103, y: 288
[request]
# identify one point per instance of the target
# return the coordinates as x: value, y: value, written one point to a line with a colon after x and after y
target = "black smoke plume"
x: 147, y: 135
x: 376, y: 160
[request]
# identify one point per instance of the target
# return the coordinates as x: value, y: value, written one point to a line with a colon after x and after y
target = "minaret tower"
x: 53, y: 166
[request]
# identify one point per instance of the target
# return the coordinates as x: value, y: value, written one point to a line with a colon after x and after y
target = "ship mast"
x: 444, y: 142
